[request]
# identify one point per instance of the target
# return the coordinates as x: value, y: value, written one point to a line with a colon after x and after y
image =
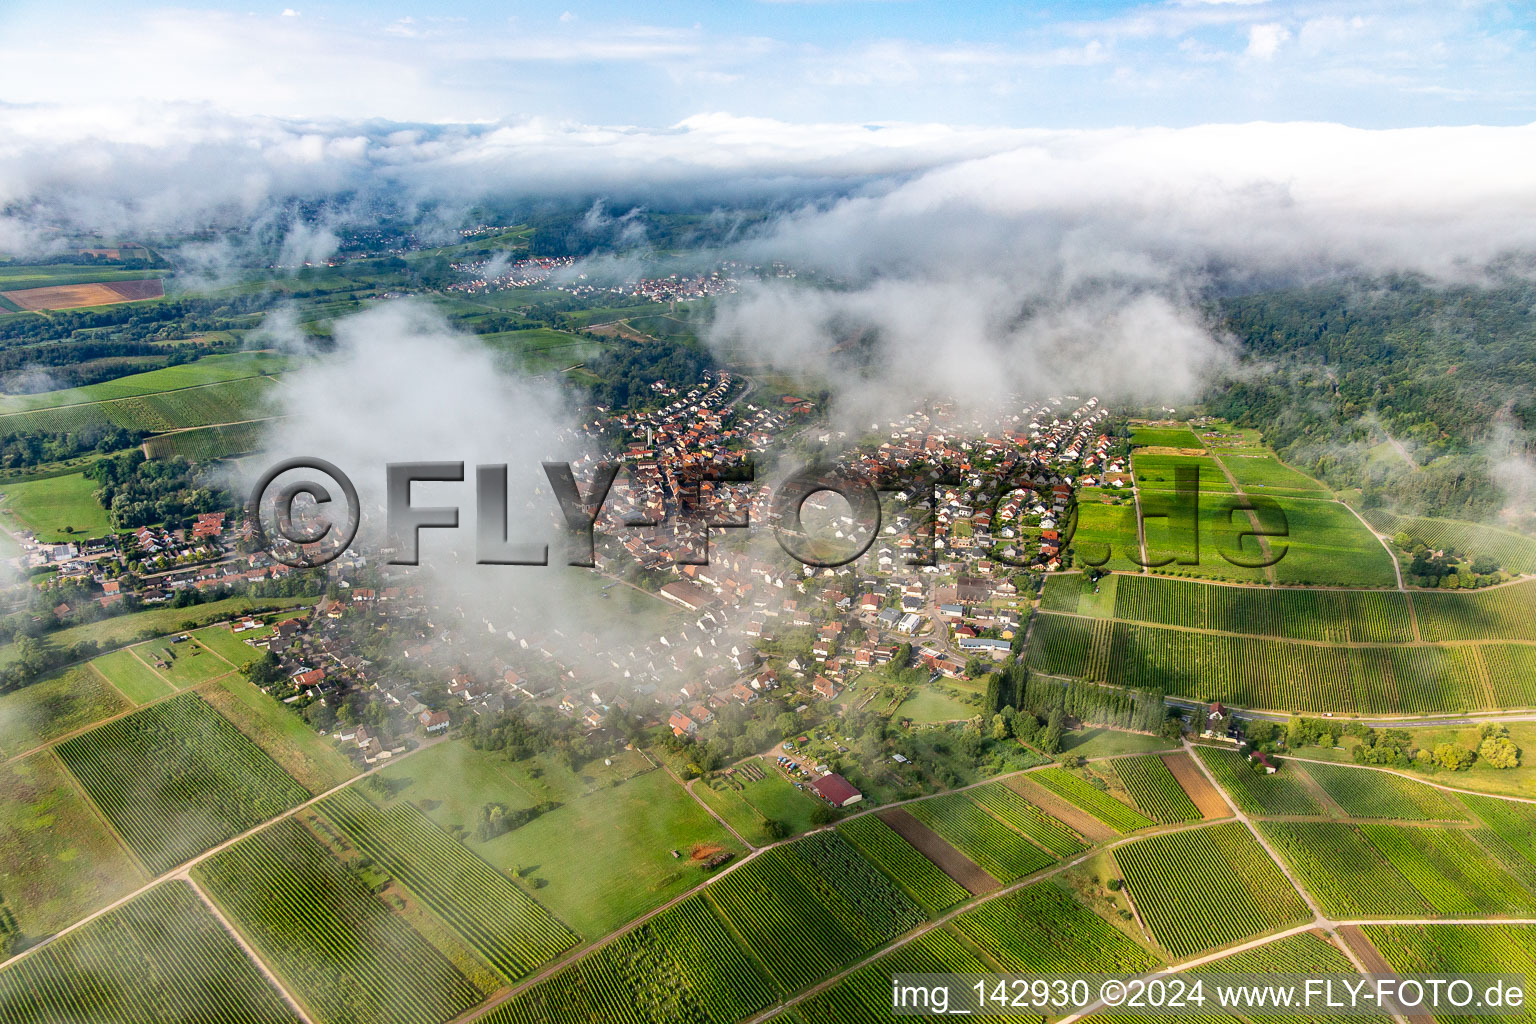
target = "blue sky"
x: 1368, y: 63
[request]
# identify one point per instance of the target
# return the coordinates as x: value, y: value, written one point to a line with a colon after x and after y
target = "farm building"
x: 835, y: 790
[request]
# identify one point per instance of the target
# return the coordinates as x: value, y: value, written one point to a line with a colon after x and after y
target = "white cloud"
x: 1265, y: 40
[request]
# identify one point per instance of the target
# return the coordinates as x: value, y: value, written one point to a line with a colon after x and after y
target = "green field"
x: 1172, y: 876
x: 1164, y: 437
x: 1253, y: 791
x: 1023, y: 816
x: 231, y: 646
x: 682, y: 965
x: 201, y: 444
x: 1359, y: 616
x: 229, y: 401
x: 210, y: 369
x: 175, y: 778
x: 746, y: 808
x: 1078, y: 791
x: 1159, y: 473
x: 1282, y: 675
x: 1502, y: 613
x: 182, y: 663
x: 1041, y: 928
x: 162, y: 957
x: 1329, y: 546
x: 136, y: 680
x: 58, y: 860
x: 53, y: 706
x: 918, y: 877
x: 864, y: 996
x: 1265, y: 474
x: 502, y: 923
x: 601, y: 858
x: 1446, y: 949
x: 342, y: 953
x: 1105, y: 535
x: 1154, y: 789
x: 312, y: 759
x: 55, y: 509
x: 990, y: 844
x: 1340, y: 868
x: 1451, y: 871
x: 804, y: 915
x: 1364, y: 793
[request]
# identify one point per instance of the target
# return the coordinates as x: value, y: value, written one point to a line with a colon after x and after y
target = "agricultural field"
x: 182, y: 663
x: 1171, y: 878
x: 55, y: 508
x: 1042, y: 928
x: 340, y: 950
x: 1079, y: 792
x: 602, y: 856
x: 1104, y: 534
x: 1365, y: 793
x: 74, y: 296
x: 1253, y: 791
x: 203, y: 444
x: 1450, y: 871
x: 507, y: 927
x: 175, y: 778
x: 1328, y: 546
x: 58, y: 860
x: 681, y: 966
x: 1160, y: 472
x: 1265, y: 474
x: 1305, y: 953
x: 998, y: 850
x: 865, y: 995
x: 929, y: 887
x: 1206, y: 541
x: 1513, y: 551
x: 285, y: 737
x: 162, y: 957
x: 1500, y: 613
x: 54, y: 706
x: 231, y: 646
x: 1154, y: 790
x: 134, y: 679
x: 1060, y: 645
x: 1458, y: 949
x: 1513, y: 824
x: 804, y: 916
x: 1165, y: 437
x: 1343, y: 871
x: 210, y: 369
x: 1258, y: 672
x: 1340, y: 616
x: 1025, y: 817
x: 231, y: 401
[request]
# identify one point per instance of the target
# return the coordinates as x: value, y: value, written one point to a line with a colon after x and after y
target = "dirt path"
x: 1372, y: 962
x: 708, y: 809
x: 1079, y: 820
x: 1253, y: 520
x: 945, y: 857
x: 1199, y: 789
x: 234, y: 933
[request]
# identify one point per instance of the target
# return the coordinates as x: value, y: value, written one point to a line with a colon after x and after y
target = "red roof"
x: 835, y: 789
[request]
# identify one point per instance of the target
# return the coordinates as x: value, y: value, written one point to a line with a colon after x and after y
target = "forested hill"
x: 1330, y: 371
